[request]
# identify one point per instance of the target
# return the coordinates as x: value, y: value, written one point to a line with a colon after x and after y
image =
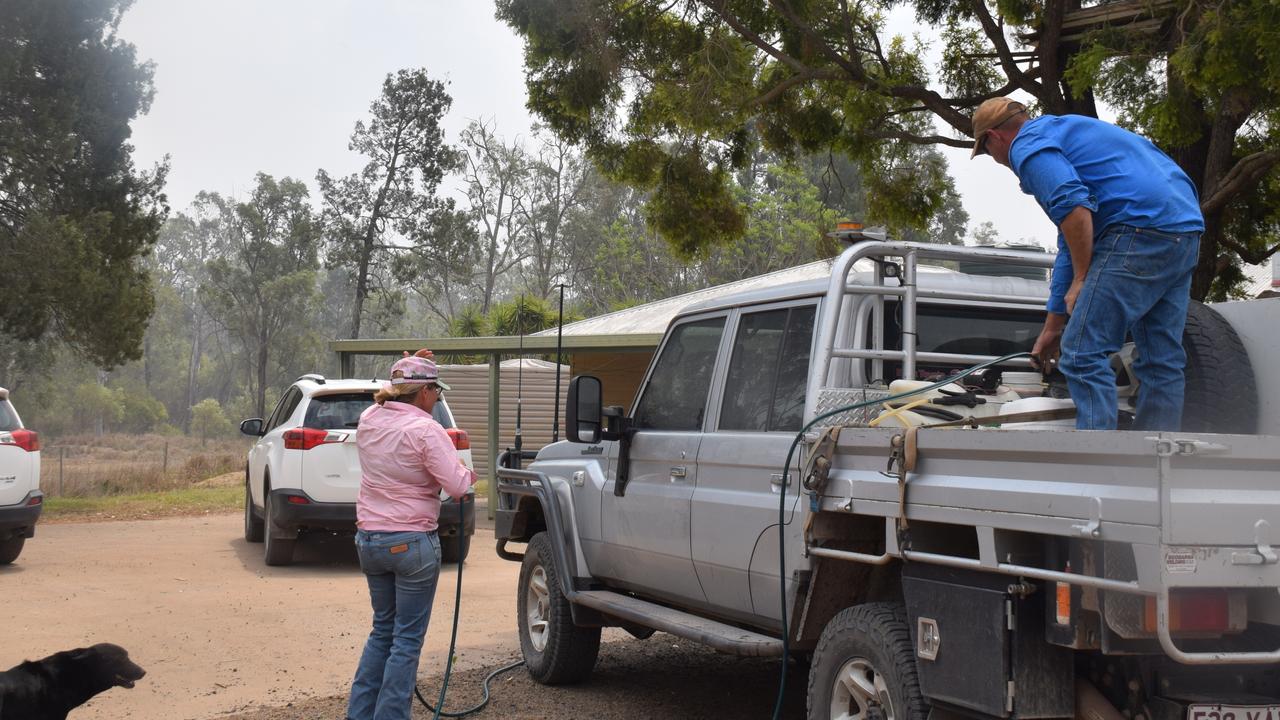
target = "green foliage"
x: 469, y: 323
x: 208, y: 420
x: 523, y: 315
x: 97, y: 406
x: 675, y: 98
x: 140, y: 412
x: 407, y: 158
x: 75, y: 214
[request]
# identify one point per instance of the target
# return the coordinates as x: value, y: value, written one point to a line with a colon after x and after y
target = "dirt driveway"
x: 222, y: 634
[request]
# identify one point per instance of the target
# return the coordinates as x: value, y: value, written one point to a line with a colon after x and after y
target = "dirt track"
x: 222, y: 634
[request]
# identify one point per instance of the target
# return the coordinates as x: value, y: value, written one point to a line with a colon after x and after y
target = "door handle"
x: 777, y: 480
x: 679, y: 471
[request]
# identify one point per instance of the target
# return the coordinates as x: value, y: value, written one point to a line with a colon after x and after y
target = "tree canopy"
x: 673, y: 96
x: 76, y: 217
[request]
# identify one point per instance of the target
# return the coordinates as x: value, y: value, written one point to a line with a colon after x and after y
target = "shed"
x: 530, y: 383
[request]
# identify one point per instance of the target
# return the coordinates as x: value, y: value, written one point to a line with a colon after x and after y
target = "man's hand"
x: 1048, y: 346
x: 1073, y: 294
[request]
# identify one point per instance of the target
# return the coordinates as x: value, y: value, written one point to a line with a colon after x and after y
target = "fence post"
x: 62, y: 455
x: 164, y: 469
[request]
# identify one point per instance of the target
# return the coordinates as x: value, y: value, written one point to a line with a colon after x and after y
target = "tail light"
x: 461, y: 440
x: 1201, y: 610
x: 28, y: 440
x: 307, y: 438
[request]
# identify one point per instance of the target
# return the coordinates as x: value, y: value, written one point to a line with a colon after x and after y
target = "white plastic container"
x: 1036, y: 404
x: 1026, y: 384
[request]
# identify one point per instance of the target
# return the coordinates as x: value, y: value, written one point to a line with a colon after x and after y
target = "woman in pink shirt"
x: 405, y: 459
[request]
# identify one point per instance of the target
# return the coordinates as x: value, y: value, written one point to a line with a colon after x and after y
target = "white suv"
x: 20, y: 498
x: 304, y: 471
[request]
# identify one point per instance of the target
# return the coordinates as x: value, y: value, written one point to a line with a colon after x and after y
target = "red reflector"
x: 307, y: 438
x: 28, y: 440
x: 35, y: 500
x: 1199, y: 610
x: 298, y: 500
x: 461, y: 440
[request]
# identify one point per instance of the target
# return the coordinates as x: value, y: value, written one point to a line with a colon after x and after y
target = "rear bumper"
x: 449, y: 523
x: 288, y: 514
x: 20, y: 520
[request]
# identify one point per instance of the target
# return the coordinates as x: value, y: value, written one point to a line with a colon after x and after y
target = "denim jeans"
x: 1139, y: 283
x: 402, y: 568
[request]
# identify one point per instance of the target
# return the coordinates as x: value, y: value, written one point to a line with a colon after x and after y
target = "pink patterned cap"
x: 415, y: 370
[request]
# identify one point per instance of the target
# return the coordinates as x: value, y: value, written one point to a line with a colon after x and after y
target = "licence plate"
x: 1233, y: 712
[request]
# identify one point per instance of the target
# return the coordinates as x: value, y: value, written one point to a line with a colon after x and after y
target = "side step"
x: 722, y: 637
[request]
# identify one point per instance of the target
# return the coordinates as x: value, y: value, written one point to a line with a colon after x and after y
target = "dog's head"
x: 105, y: 666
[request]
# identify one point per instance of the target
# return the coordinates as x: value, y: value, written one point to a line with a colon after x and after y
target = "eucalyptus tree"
x: 77, y: 218
x: 263, y: 289
x: 406, y: 159
x: 673, y: 95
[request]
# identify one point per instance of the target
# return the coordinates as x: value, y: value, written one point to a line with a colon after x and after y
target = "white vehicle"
x: 304, y: 472
x: 20, y: 498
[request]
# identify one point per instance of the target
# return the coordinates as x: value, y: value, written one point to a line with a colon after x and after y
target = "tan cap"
x: 989, y: 115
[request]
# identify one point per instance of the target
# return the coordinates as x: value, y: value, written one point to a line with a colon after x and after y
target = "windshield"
x: 339, y: 411
x: 8, y: 418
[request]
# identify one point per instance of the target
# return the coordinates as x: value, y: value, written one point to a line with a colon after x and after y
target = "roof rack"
x: 317, y: 378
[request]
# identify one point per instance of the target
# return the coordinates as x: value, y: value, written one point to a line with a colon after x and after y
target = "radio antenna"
x: 555, y: 422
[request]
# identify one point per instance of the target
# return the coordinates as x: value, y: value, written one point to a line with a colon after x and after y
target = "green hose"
x: 782, y: 497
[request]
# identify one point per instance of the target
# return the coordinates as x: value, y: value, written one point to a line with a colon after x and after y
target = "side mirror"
x: 252, y: 427
x: 582, y: 414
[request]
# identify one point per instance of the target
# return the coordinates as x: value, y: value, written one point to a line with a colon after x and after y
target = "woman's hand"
x: 423, y: 353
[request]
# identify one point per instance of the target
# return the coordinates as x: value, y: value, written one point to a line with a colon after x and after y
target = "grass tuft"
x: 163, y: 503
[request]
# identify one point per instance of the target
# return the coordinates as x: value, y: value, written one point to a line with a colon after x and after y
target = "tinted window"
x: 768, y: 371
x: 676, y: 395
x: 287, y: 405
x: 334, y: 412
x: 964, y: 330
x: 8, y: 418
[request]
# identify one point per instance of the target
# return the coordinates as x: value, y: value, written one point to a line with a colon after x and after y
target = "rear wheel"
x: 10, y: 549
x: 454, y: 549
x: 1221, y: 394
x: 276, y: 551
x: 556, y: 652
x: 864, y: 667
x: 253, y: 524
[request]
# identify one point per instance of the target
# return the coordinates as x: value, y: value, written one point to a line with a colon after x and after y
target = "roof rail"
x: 317, y: 378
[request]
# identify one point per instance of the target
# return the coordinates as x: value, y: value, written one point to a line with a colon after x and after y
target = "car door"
x: 646, y: 528
x: 270, y: 446
x: 734, y: 509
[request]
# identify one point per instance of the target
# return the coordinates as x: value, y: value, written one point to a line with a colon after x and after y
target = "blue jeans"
x: 1139, y: 282
x: 402, y: 568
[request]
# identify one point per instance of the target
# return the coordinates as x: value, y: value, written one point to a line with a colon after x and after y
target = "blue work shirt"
x: 1069, y: 161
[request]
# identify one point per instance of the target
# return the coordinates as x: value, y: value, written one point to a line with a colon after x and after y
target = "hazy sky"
x: 276, y: 85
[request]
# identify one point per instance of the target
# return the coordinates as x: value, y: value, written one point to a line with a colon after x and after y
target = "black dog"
x: 48, y: 689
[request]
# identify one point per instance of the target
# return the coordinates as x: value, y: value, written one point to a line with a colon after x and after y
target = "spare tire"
x: 1221, y: 393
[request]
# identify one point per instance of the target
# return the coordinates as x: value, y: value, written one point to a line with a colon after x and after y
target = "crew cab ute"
x: 838, y: 470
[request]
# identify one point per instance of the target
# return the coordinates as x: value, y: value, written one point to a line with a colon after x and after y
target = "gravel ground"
x: 662, y: 677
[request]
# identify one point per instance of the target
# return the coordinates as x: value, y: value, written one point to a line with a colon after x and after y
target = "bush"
x: 207, y: 420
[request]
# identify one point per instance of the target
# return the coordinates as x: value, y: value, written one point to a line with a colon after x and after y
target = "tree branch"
x: 1247, y: 172
x: 1007, y: 63
x: 717, y: 6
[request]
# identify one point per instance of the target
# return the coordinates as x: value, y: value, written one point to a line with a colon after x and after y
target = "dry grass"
x: 112, y: 465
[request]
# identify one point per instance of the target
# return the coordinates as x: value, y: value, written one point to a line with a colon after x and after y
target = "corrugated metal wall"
x: 469, y: 400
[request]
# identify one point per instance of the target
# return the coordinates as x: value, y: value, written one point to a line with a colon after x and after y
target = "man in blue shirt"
x: 1129, y: 227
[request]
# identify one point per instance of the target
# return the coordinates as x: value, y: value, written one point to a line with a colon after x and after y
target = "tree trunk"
x: 193, y: 367
x: 362, y: 289
x: 261, y: 399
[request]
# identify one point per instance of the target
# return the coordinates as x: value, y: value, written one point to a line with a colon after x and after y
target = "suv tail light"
x: 307, y: 438
x: 28, y: 440
x: 461, y: 440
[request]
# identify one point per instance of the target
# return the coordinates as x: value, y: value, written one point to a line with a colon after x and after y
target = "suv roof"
x: 316, y: 384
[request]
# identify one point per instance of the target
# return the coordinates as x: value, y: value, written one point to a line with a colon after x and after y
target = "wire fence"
x: 127, y: 464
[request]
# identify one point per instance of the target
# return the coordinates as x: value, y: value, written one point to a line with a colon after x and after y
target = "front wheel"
x: 865, y: 667
x: 253, y: 524
x: 556, y: 652
x: 10, y: 549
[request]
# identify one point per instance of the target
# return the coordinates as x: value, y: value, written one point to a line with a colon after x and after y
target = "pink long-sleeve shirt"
x: 405, y: 459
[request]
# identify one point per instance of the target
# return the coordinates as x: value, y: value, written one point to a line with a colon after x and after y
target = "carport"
x: 616, y: 347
